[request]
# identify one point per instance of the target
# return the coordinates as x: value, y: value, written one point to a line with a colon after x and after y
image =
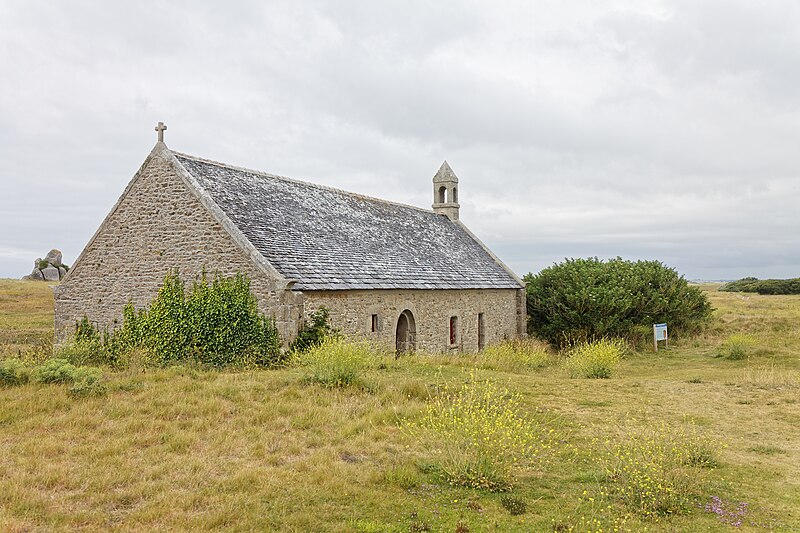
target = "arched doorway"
x: 406, y: 332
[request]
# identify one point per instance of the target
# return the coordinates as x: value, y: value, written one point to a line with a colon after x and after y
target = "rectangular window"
x: 374, y: 323
x: 481, y: 332
x: 453, y: 330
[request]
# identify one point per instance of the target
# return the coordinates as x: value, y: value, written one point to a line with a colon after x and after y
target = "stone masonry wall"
x: 351, y: 312
x: 159, y: 225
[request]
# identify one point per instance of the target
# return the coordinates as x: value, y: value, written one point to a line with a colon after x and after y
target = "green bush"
x: 743, y: 285
x: 13, y: 372
x: 55, y: 371
x: 586, y: 299
x: 215, y: 323
x: 335, y: 362
x: 314, y: 331
x: 85, y: 350
x: 595, y: 359
x: 737, y: 346
x: 87, y: 381
x: 83, y: 380
x: 765, y: 286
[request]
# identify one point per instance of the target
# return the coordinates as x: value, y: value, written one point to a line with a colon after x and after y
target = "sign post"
x: 660, y: 334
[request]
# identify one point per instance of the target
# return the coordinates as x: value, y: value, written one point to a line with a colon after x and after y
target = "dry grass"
x: 26, y: 318
x: 185, y: 448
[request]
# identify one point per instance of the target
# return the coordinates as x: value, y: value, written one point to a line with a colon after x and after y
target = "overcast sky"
x: 644, y: 129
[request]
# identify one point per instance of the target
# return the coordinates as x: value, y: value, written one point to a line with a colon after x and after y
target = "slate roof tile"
x: 328, y: 239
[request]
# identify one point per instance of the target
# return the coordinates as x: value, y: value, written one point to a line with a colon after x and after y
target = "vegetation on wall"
x: 763, y: 286
x: 215, y: 323
x: 314, y: 331
x: 587, y: 299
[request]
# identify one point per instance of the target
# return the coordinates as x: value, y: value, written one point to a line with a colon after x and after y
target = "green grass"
x: 188, y: 448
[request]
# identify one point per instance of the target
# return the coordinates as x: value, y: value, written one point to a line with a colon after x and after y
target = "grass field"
x: 265, y: 450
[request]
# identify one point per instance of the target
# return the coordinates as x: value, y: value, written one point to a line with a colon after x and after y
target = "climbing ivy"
x: 216, y: 323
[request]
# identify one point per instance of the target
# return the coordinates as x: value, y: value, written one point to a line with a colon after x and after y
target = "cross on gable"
x: 160, y: 129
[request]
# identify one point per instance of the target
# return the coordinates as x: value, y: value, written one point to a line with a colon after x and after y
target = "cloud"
x: 647, y: 129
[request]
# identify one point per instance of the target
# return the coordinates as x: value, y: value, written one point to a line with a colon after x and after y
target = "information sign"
x: 660, y: 334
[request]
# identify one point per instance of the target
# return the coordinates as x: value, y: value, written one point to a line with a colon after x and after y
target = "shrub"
x: 86, y: 381
x: 660, y: 471
x: 586, y: 299
x: 594, y: 359
x: 516, y: 356
x: 481, y: 435
x: 335, y: 362
x: 737, y: 346
x: 13, y: 372
x: 55, y: 371
x: 314, y: 331
x: 215, y: 323
x: 765, y: 286
x: 743, y: 285
x: 225, y: 326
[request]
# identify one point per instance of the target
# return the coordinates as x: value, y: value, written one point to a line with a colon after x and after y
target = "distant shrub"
x: 737, y: 346
x: 215, y: 323
x: 764, y: 286
x: 586, y: 299
x: 314, y: 331
x: 741, y: 285
x: 335, y: 362
x: 13, y: 372
x: 481, y: 435
x: 519, y: 355
x: 594, y: 359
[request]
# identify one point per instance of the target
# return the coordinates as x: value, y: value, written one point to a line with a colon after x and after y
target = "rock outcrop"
x: 50, y: 268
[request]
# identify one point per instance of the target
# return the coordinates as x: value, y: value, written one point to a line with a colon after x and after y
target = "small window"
x: 442, y: 194
x: 481, y: 332
x: 453, y: 330
x: 374, y: 323
x: 454, y: 197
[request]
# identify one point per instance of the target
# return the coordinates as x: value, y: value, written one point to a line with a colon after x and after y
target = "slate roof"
x: 328, y: 239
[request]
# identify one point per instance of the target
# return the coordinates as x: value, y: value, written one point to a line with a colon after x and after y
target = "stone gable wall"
x: 159, y: 225
x: 351, y: 312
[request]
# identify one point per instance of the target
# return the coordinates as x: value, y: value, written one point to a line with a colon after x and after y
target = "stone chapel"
x: 405, y: 277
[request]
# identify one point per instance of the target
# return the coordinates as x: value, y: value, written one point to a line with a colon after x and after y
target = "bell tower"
x: 445, y: 192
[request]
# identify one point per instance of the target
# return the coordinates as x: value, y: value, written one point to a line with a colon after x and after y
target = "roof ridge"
x: 295, y: 180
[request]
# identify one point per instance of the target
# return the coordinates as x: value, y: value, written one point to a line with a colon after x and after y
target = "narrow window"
x: 442, y: 194
x: 454, y: 197
x: 453, y: 330
x: 374, y: 323
x: 481, y: 332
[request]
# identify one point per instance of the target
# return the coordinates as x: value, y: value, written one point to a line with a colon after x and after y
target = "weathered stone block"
x: 50, y: 273
x: 54, y: 257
